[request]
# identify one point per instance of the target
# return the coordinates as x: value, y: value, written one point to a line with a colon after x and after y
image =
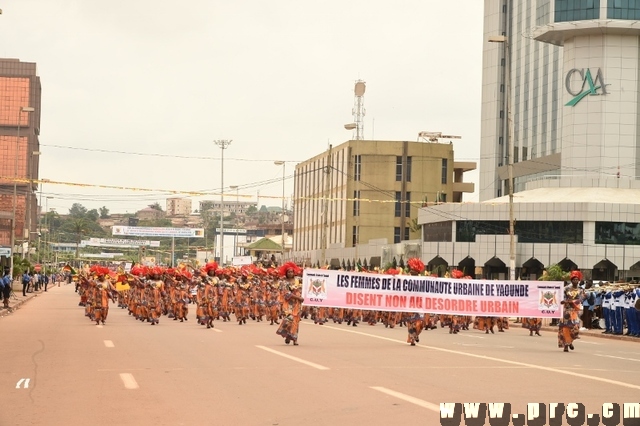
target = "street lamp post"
x: 235, y: 222
x: 510, y: 149
x: 15, y: 186
x: 28, y: 198
x: 282, y: 163
x: 47, y: 239
x: 223, y: 144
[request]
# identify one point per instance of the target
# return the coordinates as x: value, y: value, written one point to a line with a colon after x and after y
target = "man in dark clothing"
x: 45, y: 278
x: 26, y: 282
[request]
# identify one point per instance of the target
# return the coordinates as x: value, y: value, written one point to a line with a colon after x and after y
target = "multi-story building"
x: 20, y: 93
x: 560, y: 108
x: 178, y: 207
x: 237, y: 207
x: 365, y: 190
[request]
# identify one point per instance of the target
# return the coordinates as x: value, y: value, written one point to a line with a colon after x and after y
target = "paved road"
x: 132, y: 373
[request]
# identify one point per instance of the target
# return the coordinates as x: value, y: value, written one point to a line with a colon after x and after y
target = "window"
x: 442, y: 197
x: 578, y: 10
x: 357, y: 167
x: 407, y: 209
x: 396, y: 235
x: 444, y: 171
x: 554, y: 232
x: 516, y: 150
x: 623, y: 9
x: 356, y: 203
x: 525, y: 151
x: 398, y: 205
x: 406, y: 233
x: 355, y: 236
x: 438, y: 231
x: 622, y: 233
x: 399, y: 169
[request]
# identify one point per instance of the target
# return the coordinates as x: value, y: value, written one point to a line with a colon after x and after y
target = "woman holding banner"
x: 292, y: 305
x: 415, y: 321
x: 570, y: 322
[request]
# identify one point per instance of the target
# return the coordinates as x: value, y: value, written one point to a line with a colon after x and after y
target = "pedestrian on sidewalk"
x: 5, y: 284
x: 45, y: 279
x: 26, y: 283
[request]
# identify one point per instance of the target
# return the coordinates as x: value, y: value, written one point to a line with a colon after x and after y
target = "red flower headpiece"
x: 457, y: 273
x: 210, y: 266
x: 282, y: 270
x: 575, y: 274
x: 392, y: 271
x: 415, y: 265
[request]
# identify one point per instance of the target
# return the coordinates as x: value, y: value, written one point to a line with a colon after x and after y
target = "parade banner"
x: 142, y: 231
x: 447, y: 296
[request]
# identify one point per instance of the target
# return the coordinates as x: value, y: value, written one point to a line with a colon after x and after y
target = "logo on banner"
x: 548, y: 301
x: 317, y: 290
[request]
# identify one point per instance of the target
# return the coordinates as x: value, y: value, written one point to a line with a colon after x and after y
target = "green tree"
x: 156, y: 206
x: 77, y: 210
x: 92, y: 215
x: 104, y: 212
x: 251, y: 211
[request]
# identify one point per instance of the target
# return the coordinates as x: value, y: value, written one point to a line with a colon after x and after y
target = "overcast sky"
x: 122, y: 78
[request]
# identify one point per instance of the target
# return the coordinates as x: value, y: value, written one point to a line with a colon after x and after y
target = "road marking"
x: 476, y: 345
x: 589, y: 343
x: 619, y: 357
x: 99, y: 326
x: 21, y: 381
x: 490, y: 358
x: 129, y: 381
x: 469, y: 335
x: 408, y: 398
x: 217, y: 330
x: 108, y: 343
x: 293, y: 358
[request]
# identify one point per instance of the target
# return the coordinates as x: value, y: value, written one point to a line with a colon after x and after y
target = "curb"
x: 596, y: 334
x: 15, y: 307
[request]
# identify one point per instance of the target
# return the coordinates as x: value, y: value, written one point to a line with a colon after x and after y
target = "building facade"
x: 178, y: 206
x: 20, y: 97
x: 365, y: 190
x: 560, y: 102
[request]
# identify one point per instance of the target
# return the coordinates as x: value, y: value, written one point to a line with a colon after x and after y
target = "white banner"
x: 449, y: 296
x: 141, y: 231
x: 119, y: 242
x: 5, y: 251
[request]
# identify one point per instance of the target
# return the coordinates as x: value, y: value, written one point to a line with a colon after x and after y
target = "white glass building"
x: 560, y: 102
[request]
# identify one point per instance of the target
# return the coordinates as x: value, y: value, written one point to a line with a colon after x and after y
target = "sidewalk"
x: 17, y: 301
x: 588, y: 333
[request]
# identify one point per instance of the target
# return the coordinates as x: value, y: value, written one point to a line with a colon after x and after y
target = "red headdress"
x: 210, y: 266
x: 575, y: 274
x: 392, y: 271
x: 457, y: 273
x: 282, y: 270
x: 415, y: 265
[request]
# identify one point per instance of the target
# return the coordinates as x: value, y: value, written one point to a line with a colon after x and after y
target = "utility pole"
x: 223, y: 144
x: 325, y: 213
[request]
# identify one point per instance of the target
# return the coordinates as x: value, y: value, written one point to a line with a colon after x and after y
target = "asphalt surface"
x: 58, y: 368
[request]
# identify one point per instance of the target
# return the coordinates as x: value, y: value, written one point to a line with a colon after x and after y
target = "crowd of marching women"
x: 273, y: 295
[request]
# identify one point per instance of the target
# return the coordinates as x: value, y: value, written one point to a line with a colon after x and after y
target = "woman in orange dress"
x: 292, y: 305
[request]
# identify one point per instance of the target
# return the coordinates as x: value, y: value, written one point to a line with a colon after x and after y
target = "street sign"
x: 37, y: 267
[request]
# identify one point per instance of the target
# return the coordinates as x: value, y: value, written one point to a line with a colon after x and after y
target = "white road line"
x: 411, y: 399
x: 293, y: 358
x: 618, y: 357
x: 589, y: 343
x: 99, y: 326
x: 490, y: 358
x: 217, y: 330
x: 469, y: 335
x: 108, y: 343
x: 129, y: 381
x: 21, y: 381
